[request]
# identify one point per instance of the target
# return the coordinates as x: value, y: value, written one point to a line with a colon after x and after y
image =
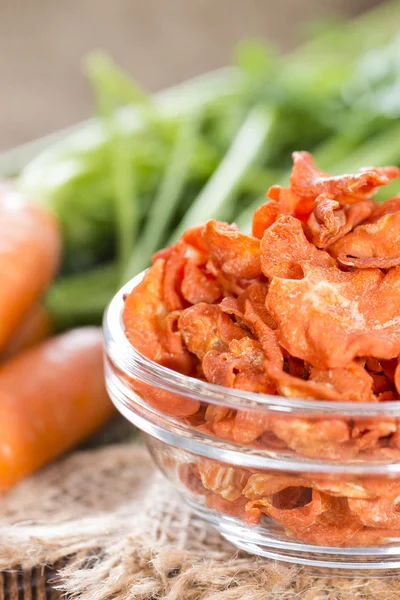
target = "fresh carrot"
x: 36, y: 326
x: 30, y: 247
x: 51, y: 397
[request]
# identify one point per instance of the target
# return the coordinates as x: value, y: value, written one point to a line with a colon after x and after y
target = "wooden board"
x: 36, y: 584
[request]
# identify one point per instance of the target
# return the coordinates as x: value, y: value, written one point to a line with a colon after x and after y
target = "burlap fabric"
x: 129, y: 536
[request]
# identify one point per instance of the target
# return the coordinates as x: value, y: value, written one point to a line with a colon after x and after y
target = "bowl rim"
x: 135, y: 364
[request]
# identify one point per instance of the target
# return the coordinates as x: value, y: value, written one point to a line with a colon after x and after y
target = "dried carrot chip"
x: 397, y: 377
x: 235, y: 253
x: 376, y: 512
x: 307, y: 180
x: 367, y: 432
x: 372, y: 536
x: 235, y: 508
x: 173, y: 275
x: 352, y: 383
x: 260, y: 485
x: 334, y: 527
x: 223, y: 479
x: 249, y: 425
x: 264, y: 217
x: 224, y: 428
x: 330, y: 221
x: 319, y: 438
x: 358, y: 313
x: 342, y: 489
x: 374, y: 244
x: 216, y: 413
x: 228, y: 330
x: 285, y: 250
x: 199, y: 286
x: 241, y: 367
x: 194, y: 237
x: 291, y: 203
x: 166, y: 402
x: 145, y: 312
x: 198, y: 326
x: 305, y: 515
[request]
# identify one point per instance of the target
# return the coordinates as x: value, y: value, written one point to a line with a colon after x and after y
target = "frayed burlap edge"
x: 128, y: 535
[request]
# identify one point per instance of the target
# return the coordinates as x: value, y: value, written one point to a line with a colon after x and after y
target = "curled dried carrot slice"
x: 307, y: 180
x: 198, y: 285
x: 234, y: 252
x: 376, y: 512
x: 352, y: 383
x: 370, y: 245
x: 358, y: 312
x: 198, y: 326
x: 305, y: 515
x: 222, y: 479
x: 285, y: 250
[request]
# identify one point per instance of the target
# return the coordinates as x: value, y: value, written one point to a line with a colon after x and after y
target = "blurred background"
x: 43, y: 43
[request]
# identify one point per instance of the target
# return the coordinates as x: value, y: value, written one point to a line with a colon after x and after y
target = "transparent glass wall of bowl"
x: 305, y: 481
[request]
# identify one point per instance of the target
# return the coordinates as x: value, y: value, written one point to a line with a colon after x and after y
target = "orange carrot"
x: 34, y: 328
x: 30, y: 246
x: 51, y: 397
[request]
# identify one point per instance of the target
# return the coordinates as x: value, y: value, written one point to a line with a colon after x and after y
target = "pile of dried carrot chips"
x: 308, y: 306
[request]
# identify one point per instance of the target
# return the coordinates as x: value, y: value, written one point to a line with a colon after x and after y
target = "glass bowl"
x: 305, y: 481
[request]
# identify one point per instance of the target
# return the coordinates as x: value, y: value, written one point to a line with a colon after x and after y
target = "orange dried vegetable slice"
x: 293, y: 517
x: 330, y: 221
x: 385, y: 208
x: 223, y: 479
x: 199, y: 286
x: 194, y: 237
x: 260, y: 485
x: 318, y: 437
x: 168, y: 403
x: 367, y: 432
x: 374, y: 244
x: 216, y: 413
x: 358, y: 313
x: 224, y: 428
x: 233, y: 252
x: 285, y: 249
x: 334, y: 527
x: 145, y: 318
x: 250, y: 309
x: 251, y: 300
x: 235, y: 508
x: 376, y: 512
x: 344, y: 489
x: 248, y: 426
x: 178, y: 358
x: 292, y: 203
x: 352, y: 383
x: 372, y: 536
x: 326, y: 220
x: 198, y: 326
x: 189, y: 475
x: 145, y: 312
x: 228, y: 330
x: 381, y: 383
x: 307, y: 180
x: 397, y: 376
x: 240, y: 367
x: 173, y: 274
x: 264, y: 217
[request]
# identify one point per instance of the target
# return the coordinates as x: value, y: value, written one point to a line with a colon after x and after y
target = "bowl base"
x: 351, y: 562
